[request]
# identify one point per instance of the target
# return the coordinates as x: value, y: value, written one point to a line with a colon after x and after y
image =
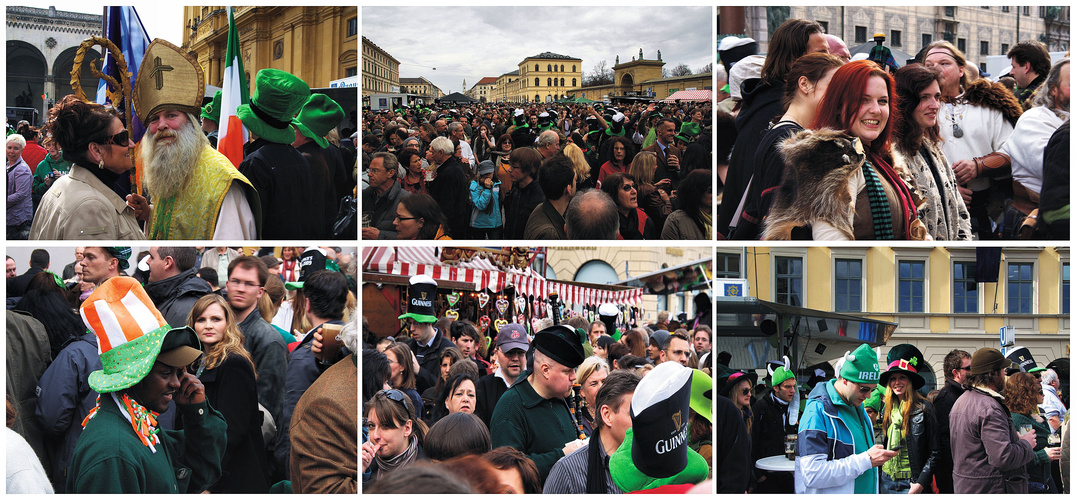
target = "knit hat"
x: 781, y: 374
x: 660, y: 337
x: 120, y: 253
x: 278, y: 96
x: 168, y: 78
x: 874, y: 402
x: 319, y: 115
x: 421, y: 292
x: 861, y: 366
x: 131, y: 335
x: 486, y: 167
x: 312, y: 260
x: 905, y: 359
x: 987, y: 360
x: 655, y: 450
x: 211, y: 111
x: 561, y: 344
x: 512, y: 336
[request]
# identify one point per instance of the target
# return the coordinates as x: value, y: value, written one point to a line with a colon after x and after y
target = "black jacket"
x: 943, y: 405
x: 16, y: 287
x: 488, y: 390
x: 175, y: 296
x: 922, y: 443
x: 323, y: 203
x: 449, y: 190
x: 733, y: 467
x: 518, y: 205
x: 284, y: 183
x: 761, y: 103
x: 266, y: 346
x: 429, y: 359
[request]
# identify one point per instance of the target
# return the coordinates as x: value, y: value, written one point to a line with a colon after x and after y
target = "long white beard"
x: 168, y: 166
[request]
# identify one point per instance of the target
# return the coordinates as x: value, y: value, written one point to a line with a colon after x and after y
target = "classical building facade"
x: 484, y: 89
x: 641, y: 78
x: 507, y: 85
x: 41, y: 46
x: 546, y: 77
x: 421, y: 87
x: 978, y: 31
x: 931, y: 293
x: 316, y: 44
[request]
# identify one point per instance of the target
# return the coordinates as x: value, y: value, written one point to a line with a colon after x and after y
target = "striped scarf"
x: 880, y: 214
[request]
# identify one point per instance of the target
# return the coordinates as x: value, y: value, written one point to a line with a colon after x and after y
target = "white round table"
x: 776, y: 463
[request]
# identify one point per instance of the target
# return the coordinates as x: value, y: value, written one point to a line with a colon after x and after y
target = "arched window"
x: 549, y: 82
x: 537, y: 82
x: 561, y: 68
x: 561, y: 82
x: 536, y: 68
x: 573, y: 68
x: 537, y: 98
x: 549, y: 67
x: 573, y: 80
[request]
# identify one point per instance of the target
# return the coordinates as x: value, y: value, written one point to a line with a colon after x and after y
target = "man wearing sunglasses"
x: 957, y: 366
x: 835, y: 447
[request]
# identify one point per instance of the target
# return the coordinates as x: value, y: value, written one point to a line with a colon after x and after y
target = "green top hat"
x: 688, y: 131
x: 278, y: 96
x: 319, y: 115
x: 211, y: 111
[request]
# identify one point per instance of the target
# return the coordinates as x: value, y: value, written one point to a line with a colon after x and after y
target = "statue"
x: 659, y: 55
x: 640, y: 53
x: 617, y: 59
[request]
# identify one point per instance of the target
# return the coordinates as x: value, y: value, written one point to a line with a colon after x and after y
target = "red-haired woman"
x: 857, y: 103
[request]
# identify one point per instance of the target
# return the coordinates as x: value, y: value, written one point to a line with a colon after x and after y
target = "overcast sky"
x: 161, y: 19
x: 491, y: 41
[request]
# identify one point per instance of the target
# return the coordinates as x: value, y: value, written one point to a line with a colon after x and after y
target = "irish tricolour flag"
x: 232, y: 134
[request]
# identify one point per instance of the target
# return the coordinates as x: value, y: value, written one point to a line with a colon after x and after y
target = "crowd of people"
x: 159, y: 374
x: 815, y: 145
x: 296, y: 177
x: 993, y: 426
x: 577, y: 407
x: 559, y: 171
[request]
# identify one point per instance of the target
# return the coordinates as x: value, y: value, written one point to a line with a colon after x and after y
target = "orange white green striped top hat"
x: 130, y: 332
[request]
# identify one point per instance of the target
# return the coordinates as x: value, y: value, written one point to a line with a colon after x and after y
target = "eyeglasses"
x: 406, y: 218
x: 397, y: 396
x: 966, y: 368
x: 864, y: 390
x: 745, y: 391
x: 120, y: 139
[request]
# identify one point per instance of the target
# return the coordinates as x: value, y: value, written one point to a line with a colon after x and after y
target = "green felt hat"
x: 861, y: 366
x: 278, y: 96
x: 319, y: 115
x: 874, y: 402
x: 702, y: 394
x: 629, y: 478
x: 211, y: 111
x: 688, y: 131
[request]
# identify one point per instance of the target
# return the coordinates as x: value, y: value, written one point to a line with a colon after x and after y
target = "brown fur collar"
x: 994, y: 95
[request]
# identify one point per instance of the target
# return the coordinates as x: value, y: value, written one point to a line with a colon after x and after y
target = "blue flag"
x: 124, y: 28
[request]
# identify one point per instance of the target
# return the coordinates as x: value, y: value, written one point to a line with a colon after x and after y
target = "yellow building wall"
x: 941, y: 289
x: 817, y: 288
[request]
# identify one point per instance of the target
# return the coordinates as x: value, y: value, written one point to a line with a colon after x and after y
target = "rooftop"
x: 551, y: 55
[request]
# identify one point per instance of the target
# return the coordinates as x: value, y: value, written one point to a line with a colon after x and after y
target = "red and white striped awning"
x: 413, y: 261
x: 690, y: 95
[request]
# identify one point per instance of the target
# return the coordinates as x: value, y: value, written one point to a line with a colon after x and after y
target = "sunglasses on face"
x: 745, y: 391
x: 864, y: 390
x: 119, y: 139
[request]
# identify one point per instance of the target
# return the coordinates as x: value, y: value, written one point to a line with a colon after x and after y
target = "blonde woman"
x: 590, y: 376
x: 579, y: 163
x: 227, y: 371
x: 653, y: 198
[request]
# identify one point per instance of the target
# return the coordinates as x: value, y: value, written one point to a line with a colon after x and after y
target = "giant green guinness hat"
x: 421, y: 295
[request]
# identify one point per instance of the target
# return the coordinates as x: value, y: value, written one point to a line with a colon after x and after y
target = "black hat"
x: 725, y: 384
x: 659, y: 411
x: 313, y: 259
x: 905, y: 359
x: 561, y: 344
x: 421, y: 293
x: 1023, y: 358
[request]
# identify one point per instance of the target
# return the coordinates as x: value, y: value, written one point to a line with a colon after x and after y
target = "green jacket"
x: 535, y: 426
x: 109, y: 458
x: 1038, y: 469
x: 46, y: 167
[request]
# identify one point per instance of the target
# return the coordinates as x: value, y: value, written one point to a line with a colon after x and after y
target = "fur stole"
x: 994, y: 95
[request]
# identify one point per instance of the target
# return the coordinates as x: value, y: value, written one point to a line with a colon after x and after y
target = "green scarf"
x: 898, y: 467
x: 880, y: 214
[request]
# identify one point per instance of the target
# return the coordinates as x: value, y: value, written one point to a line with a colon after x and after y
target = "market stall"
x: 489, y: 287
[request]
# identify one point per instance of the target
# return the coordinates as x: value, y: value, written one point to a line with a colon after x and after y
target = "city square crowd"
x: 815, y: 145
x: 294, y: 179
x: 997, y: 424
x: 549, y: 172
x: 183, y: 371
x: 577, y: 407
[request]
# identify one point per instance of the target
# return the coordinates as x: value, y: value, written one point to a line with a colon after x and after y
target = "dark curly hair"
x: 74, y: 124
x: 1021, y: 391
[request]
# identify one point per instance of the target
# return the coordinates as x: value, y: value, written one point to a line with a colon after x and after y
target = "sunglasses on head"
x: 397, y: 396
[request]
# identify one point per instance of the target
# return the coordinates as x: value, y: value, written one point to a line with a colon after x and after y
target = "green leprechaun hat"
x: 319, y: 115
x: 278, y: 96
x: 131, y: 335
x: 211, y: 111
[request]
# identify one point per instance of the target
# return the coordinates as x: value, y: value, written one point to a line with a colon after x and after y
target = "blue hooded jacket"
x: 832, y: 446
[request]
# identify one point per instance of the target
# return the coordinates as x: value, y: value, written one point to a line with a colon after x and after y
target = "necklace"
x: 950, y: 111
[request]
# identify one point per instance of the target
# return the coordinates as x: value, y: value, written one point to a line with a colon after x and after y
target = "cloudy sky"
x: 161, y: 19
x: 491, y: 41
